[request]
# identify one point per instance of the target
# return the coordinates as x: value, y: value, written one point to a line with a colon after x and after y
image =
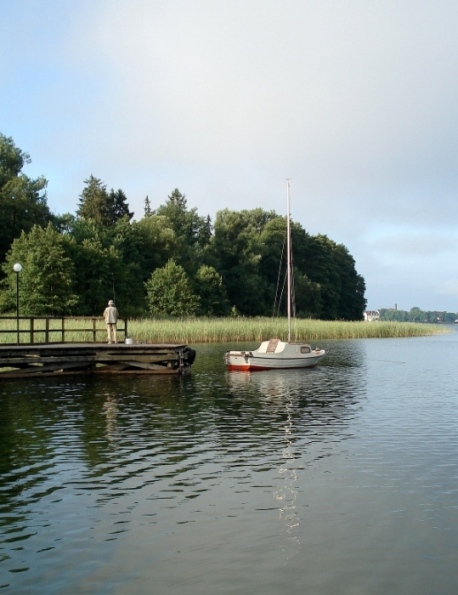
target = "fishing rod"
x: 114, y: 293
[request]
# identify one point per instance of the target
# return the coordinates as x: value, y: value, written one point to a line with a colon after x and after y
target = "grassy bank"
x: 227, y: 330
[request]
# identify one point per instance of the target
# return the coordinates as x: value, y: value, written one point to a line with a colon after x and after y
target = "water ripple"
x: 334, y: 460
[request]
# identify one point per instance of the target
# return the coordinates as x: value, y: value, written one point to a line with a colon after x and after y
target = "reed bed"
x: 234, y: 330
x: 221, y: 330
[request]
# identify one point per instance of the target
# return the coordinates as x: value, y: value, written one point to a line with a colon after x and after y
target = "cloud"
x: 356, y: 102
x: 410, y: 244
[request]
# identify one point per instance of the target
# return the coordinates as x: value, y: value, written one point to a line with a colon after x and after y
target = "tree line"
x: 417, y: 315
x: 171, y: 262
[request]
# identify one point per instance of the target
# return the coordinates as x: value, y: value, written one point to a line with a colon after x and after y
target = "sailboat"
x: 275, y: 354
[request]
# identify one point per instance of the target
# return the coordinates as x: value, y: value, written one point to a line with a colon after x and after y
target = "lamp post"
x: 17, y: 268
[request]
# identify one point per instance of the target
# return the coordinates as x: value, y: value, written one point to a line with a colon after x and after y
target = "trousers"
x: 111, y: 332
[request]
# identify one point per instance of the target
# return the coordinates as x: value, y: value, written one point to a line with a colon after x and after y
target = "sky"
x: 356, y: 102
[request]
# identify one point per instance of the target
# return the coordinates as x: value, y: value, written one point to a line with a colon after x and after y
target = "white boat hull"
x: 274, y: 355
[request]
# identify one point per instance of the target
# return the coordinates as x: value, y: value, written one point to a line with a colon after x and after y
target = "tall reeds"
x: 233, y: 330
x: 224, y: 330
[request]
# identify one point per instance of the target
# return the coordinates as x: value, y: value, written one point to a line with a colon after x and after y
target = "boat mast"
x: 288, y: 261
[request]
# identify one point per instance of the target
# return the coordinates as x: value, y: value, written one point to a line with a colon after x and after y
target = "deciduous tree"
x: 191, y: 231
x: 47, y: 279
x: 212, y: 293
x: 238, y: 246
x: 23, y: 201
x: 169, y: 292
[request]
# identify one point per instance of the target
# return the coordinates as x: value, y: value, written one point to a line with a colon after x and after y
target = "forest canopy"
x: 171, y: 262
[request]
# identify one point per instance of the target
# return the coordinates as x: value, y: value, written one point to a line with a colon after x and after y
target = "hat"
x: 111, y: 303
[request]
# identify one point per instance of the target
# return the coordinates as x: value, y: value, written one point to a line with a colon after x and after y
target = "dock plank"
x: 42, y: 359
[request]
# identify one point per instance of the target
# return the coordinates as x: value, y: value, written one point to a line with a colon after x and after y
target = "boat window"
x: 305, y: 349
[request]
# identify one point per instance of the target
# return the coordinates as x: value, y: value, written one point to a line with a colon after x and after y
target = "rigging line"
x: 293, y: 289
x: 281, y: 295
x: 277, y: 300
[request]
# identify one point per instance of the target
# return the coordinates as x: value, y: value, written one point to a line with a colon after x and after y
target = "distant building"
x: 371, y: 315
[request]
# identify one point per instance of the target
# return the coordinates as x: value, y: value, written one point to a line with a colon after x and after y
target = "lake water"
x: 339, y: 479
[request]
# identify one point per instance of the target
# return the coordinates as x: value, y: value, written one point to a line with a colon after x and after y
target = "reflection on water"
x: 306, y: 476
x: 305, y: 407
x: 287, y: 494
x: 110, y: 410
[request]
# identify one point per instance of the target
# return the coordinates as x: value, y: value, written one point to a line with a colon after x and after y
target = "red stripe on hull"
x: 248, y: 368
x: 251, y: 368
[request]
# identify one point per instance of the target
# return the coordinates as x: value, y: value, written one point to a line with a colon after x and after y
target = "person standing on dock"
x: 111, y: 318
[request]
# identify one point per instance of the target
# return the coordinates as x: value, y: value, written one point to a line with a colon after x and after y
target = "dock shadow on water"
x: 339, y: 478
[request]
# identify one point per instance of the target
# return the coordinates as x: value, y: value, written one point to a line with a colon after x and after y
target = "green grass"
x: 218, y: 330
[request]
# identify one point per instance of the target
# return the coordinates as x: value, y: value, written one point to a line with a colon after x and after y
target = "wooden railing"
x: 56, y: 329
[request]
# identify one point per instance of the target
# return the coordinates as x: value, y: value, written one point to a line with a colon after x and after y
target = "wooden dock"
x: 54, y: 359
